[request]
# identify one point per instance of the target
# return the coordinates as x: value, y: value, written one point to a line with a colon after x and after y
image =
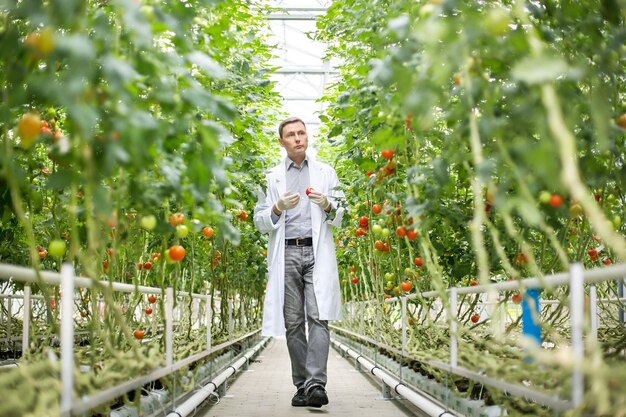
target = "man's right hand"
x: 287, y: 201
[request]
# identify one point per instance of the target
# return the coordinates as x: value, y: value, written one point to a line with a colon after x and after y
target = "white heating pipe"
x: 67, y: 337
x: 192, y: 403
x: 424, y: 404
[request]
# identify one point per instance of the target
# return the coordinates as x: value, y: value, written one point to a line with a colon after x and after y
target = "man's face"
x: 295, y: 141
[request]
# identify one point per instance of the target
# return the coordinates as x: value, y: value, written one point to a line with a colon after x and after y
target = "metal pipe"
x: 67, y: 338
x: 424, y: 404
x: 190, y: 405
x: 593, y: 311
x: 576, y: 312
x: 620, y: 294
x: 453, y: 341
x: 26, y: 321
x: 169, y: 317
x: 607, y: 273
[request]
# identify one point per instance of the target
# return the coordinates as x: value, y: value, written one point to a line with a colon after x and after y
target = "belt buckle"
x: 298, y: 240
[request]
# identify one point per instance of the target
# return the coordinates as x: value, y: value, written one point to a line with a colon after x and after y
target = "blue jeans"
x: 309, y: 358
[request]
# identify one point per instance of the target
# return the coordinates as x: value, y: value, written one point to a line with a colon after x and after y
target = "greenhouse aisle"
x: 265, y: 390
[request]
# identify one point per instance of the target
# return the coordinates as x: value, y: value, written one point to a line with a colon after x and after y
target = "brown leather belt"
x: 304, y: 241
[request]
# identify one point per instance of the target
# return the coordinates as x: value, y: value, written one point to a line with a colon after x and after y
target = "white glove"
x: 287, y: 201
x: 319, y: 199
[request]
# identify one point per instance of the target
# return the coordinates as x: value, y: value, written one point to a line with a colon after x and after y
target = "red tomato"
x: 151, y: 299
x: 243, y: 215
x: 309, y: 190
x: 592, y: 253
x: 139, y: 266
x: 376, y: 209
x: 401, y: 231
x: 556, y: 200
x: 176, y: 219
x: 105, y: 265
x: 148, y: 311
x: 177, y: 253
x: 360, y: 232
x: 516, y: 298
x: 607, y: 261
x: 418, y: 261
x: 354, y: 280
x: 387, y: 153
x: 475, y: 318
x: 364, y: 222
x: 147, y: 266
x: 379, y: 245
x: 406, y: 286
x: 43, y: 253
x: 208, y: 232
x: 473, y: 283
x: 521, y: 259
x: 411, y: 235
x: 139, y: 334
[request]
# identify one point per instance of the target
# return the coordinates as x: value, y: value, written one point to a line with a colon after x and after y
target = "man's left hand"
x: 320, y: 199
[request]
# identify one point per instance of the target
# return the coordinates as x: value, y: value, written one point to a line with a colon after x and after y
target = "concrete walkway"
x: 265, y: 390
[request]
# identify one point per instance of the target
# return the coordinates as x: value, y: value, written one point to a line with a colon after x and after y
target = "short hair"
x: 286, y: 122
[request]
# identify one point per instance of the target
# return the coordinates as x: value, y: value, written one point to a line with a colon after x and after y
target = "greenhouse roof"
x: 303, y: 72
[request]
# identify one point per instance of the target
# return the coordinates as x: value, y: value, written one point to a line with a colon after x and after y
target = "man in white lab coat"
x: 298, y: 210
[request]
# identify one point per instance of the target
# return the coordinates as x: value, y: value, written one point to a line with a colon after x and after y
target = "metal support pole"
x: 577, y: 318
x: 362, y: 319
x: 26, y: 322
x: 169, y: 327
x: 230, y: 319
x: 209, y: 322
x: 453, y: 342
x: 67, y: 338
x: 377, y: 333
x: 620, y: 294
x: 10, y: 321
x: 403, y: 304
x: 387, y: 395
x: 593, y: 311
x: 244, y: 322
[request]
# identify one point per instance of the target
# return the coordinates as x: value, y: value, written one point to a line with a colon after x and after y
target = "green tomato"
x: 168, y: 259
x: 545, y: 197
x: 389, y: 276
x: 390, y: 284
x: 182, y: 230
x: 617, y: 222
x: 386, y: 232
x: 575, y: 210
x: 148, y: 222
x: 377, y: 230
x: 56, y: 248
x: 497, y: 21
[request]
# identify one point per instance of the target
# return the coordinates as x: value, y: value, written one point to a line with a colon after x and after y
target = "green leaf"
x: 118, y: 72
x: 538, y: 70
x: 202, y: 60
x: 60, y: 179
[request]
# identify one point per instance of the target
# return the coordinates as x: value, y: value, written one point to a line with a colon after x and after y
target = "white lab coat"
x: 324, y: 179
